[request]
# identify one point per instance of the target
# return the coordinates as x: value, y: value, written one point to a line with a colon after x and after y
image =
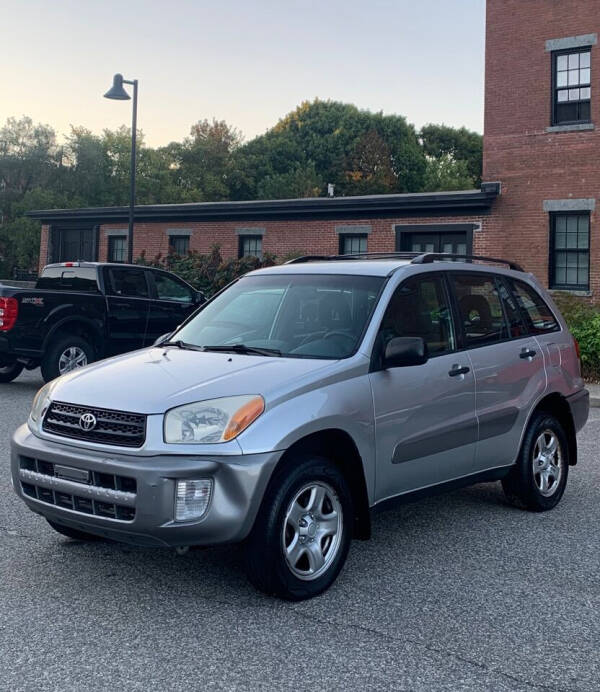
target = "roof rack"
x: 431, y: 257
x: 354, y: 256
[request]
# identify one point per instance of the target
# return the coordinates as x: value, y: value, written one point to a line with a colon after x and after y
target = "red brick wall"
x: 43, y: 247
x: 282, y: 237
x: 534, y: 165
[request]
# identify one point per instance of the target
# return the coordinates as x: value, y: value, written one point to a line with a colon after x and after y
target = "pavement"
x: 594, y: 390
x: 457, y: 592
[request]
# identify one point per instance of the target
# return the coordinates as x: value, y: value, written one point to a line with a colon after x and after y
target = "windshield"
x: 301, y: 316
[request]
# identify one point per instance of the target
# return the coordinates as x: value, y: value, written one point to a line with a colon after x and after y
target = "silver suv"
x: 302, y: 398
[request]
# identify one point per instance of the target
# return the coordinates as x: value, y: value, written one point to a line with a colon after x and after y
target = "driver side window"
x: 420, y: 307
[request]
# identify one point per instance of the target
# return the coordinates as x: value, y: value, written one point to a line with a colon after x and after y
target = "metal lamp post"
x: 118, y: 93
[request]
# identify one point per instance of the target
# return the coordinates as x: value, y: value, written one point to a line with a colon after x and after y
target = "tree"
x: 445, y: 174
x: 334, y: 139
x: 203, y: 162
x: 459, y: 144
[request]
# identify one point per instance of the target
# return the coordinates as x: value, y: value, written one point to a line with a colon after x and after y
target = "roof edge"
x: 370, y: 205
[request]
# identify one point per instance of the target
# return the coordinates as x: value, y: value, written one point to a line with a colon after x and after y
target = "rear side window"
x: 128, y: 282
x: 479, y: 307
x: 538, y: 315
x: 516, y: 326
x: 69, y: 279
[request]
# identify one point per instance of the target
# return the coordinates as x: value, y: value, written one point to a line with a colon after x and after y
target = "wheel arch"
x: 81, y: 326
x: 557, y: 405
x: 338, y: 446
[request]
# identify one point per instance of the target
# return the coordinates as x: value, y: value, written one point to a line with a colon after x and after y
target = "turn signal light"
x: 9, y: 311
x: 242, y: 418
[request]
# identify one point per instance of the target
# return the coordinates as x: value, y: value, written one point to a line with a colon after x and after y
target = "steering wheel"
x: 331, y: 334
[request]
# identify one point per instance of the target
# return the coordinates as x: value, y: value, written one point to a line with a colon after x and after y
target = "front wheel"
x: 539, y: 479
x: 302, y: 534
x: 8, y: 373
x: 65, y: 355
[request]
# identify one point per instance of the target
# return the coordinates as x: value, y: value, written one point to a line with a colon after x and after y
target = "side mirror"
x: 403, y: 351
x: 199, y: 298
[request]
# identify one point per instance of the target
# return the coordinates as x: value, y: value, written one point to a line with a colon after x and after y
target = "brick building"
x: 541, y: 161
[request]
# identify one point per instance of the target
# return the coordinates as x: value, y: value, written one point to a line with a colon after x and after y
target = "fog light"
x: 192, y: 499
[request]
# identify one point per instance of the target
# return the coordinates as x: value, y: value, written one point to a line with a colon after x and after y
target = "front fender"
x: 345, y: 405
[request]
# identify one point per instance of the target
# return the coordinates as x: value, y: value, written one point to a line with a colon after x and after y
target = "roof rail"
x: 431, y: 257
x: 354, y: 256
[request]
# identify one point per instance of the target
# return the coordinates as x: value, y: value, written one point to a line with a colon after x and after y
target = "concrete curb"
x: 594, y: 402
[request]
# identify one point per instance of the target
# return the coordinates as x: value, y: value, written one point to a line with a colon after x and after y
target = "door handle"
x: 458, y: 370
x: 527, y: 353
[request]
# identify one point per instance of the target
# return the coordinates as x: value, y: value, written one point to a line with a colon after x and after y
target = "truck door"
x: 128, y: 300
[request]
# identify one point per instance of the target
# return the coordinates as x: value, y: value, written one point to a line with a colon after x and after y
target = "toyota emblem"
x: 87, y: 421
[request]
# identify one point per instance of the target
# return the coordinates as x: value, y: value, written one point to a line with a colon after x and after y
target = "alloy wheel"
x: 547, y: 463
x: 312, y: 530
x: 72, y: 358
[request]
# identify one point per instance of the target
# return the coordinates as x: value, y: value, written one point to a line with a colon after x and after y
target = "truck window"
x: 128, y: 282
x: 69, y: 279
x: 168, y: 288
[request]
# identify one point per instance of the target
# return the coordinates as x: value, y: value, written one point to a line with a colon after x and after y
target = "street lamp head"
x: 116, y: 91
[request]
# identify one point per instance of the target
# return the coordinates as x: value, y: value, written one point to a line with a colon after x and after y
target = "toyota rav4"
x: 301, y: 399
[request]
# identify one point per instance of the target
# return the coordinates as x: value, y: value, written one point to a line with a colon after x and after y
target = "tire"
x: 56, y: 359
x: 306, y: 512
x: 525, y: 486
x: 8, y: 373
x: 73, y: 533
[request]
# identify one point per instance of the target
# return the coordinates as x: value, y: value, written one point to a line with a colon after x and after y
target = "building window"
x: 180, y: 244
x: 117, y: 248
x: 250, y: 245
x: 571, y: 89
x: 570, y: 251
x: 352, y: 243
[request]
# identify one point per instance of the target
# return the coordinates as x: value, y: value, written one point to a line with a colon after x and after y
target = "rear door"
x: 425, y: 422
x: 507, y: 363
x: 128, y: 303
x: 173, y: 300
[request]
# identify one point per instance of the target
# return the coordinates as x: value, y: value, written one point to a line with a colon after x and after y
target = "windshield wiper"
x: 181, y: 344
x: 242, y: 348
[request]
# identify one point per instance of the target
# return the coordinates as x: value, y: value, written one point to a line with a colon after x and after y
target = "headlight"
x: 40, y: 402
x: 212, y: 421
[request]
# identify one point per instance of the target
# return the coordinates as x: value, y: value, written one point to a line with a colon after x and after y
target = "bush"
x: 583, y: 320
x: 207, y: 273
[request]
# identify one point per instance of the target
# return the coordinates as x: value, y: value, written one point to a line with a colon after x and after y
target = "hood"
x: 157, y: 379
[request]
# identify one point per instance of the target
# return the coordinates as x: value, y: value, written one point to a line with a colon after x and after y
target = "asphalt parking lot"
x: 458, y: 592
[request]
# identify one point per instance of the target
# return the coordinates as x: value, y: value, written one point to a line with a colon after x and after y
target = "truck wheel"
x: 302, y: 534
x: 73, y: 533
x: 8, y: 373
x: 538, y: 481
x: 64, y: 355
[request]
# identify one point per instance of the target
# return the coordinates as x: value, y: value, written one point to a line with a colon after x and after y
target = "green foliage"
x: 458, y: 144
x: 358, y: 151
x: 446, y: 173
x: 207, y: 273
x: 583, y: 320
x: 320, y: 142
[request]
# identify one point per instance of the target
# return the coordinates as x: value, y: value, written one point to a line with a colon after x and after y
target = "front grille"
x: 102, y: 494
x: 112, y: 427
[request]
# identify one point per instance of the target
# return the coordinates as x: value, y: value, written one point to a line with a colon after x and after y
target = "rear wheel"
x: 539, y: 479
x: 302, y: 534
x: 8, y: 373
x: 73, y: 533
x: 65, y: 355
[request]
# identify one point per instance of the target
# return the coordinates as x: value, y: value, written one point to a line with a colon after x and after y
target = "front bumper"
x: 146, y: 507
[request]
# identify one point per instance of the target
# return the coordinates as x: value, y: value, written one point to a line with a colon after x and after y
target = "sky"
x: 247, y: 62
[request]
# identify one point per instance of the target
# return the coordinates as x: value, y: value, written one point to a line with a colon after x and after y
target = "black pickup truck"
x: 80, y: 312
